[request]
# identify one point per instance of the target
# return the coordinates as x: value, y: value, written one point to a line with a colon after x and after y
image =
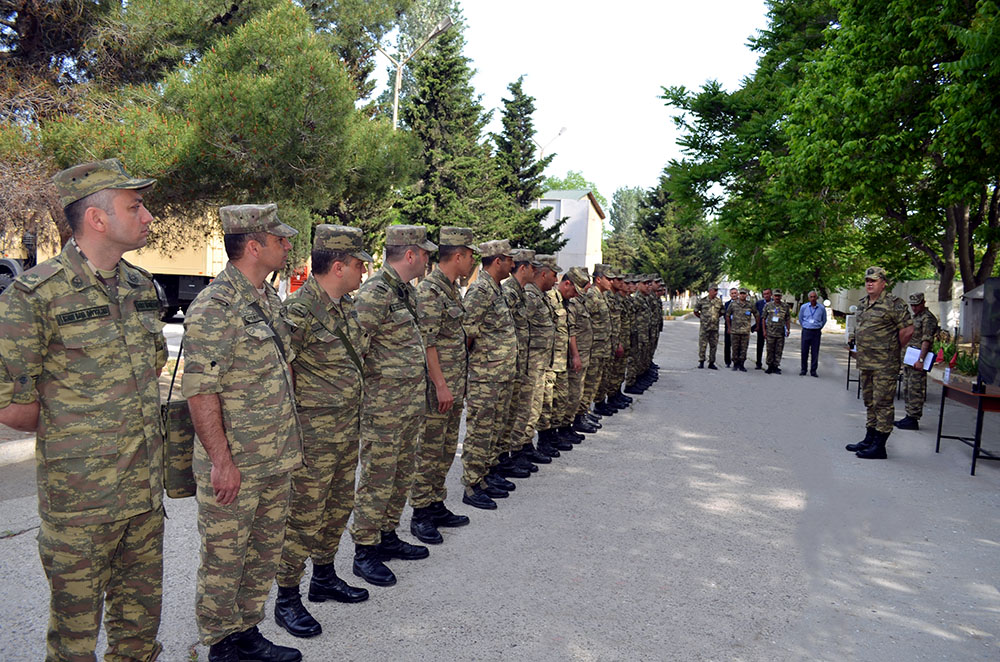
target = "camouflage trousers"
x: 577, y: 383
x: 241, y: 546
x: 915, y: 390
x: 322, y: 490
x: 512, y: 437
x: 437, y: 448
x: 775, y: 346
x: 635, y: 362
x: 536, y: 386
x: 613, y: 376
x: 392, y: 421
x: 710, y: 337
x: 115, y: 567
x: 554, y: 399
x: 595, y: 377
x: 878, y: 388
x: 486, y: 407
x: 741, y: 341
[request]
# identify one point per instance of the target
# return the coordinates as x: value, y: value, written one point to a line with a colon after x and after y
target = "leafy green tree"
x: 574, y: 181
x: 621, y: 244
x: 520, y: 174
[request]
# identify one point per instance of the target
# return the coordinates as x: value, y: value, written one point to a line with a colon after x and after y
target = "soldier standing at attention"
x: 777, y: 324
x: 603, y: 278
x: 708, y: 310
x: 618, y: 398
x: 541, y: 340
x: 492, y: 344
x: 741, y: 315
x: 925, y: 327
x: 81, y: 348
x: 238, y: 385
x: 883, y: 326
x: 600, y: 352
x: 556, y: 377
x: 439, y: 305
x: 581, y: 340
x: 328, y: 387
x: 759, y: 306
x: 727, y: 351
x: 395, y: 401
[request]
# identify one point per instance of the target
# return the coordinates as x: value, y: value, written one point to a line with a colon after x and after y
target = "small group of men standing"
x: 770, y: 317
x: 306, y: 410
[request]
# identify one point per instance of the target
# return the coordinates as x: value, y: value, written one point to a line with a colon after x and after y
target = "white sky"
x: 598, y: 68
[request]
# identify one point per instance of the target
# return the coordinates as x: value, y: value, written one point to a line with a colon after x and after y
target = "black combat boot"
x: 877, y: 450
x: 493, y: 490
x: 711, y: 366
x: 475, y: 497
x: 326, y: 585
x: 624, y: 397
x: 864, y: 443
x: 777, y: 370
x: 251, y: 646
x: 444, y: 517
x: 580, y: 424
x: 534, y: 455
x: 742, y: 367
x: 509, y: 469
x: 633, y: 389
x: 561, y: 439
x: 392, y: 547
x: 569, y: 434
x: 224, y: 651
x: 494, y: 479
x: 521, y: 459
x: 908, y: 423
x: 701, y: 364
x: 546, y: 443
x: 290, y: 614
x: 369, y: 567
x: 422, y: 526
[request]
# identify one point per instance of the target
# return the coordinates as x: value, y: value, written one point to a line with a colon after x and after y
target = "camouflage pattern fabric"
x: 925, y: 327
x: 776, y: 315
x: 742, y: 316
x: 579, y: 324
x: 492, y: 369
x: 441, y: 312
x: 600, y: 321
x: 878, y: 388
x: 876, y: 332
x: 328, y: 394
x: 552, y: 405
x: 541, y: 342
x: 89, y: 350
x: 123, y: 559
x: 710, y: 311
x: 707, y: 337
x: 241, y: 547
x: 394, y: 406
x: 521, y: 387
x: 741, y: 341
x: 775, y: 344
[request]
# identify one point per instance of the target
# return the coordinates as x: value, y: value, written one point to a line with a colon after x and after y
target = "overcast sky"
x: 599, y: 73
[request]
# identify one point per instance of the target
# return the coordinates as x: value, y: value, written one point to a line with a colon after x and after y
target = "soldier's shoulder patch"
x: 297, y: 308
x: 142, y: 272
x: 31, y: 279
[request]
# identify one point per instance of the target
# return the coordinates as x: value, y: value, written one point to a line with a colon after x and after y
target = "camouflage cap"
x: 647, y: 278
x: 916, y: 298
x: 244, y: 219
x: 453, y: 236
x: 713, y: 286
x: 744, y: 290
x: 603, y: 270
x: 341, y: 238
x: 78, y: 182
x: 579, y: 277
x: 871, y: 273
x: 496, y: 247
x: 548, y: 262
x: 776, y: 292
x: 523, y: 255
x: 409, y: 235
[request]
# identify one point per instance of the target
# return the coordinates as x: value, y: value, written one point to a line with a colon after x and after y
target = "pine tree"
x: 521, y: 174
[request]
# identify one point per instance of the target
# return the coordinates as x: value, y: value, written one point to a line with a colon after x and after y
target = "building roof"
x: 575, y: 194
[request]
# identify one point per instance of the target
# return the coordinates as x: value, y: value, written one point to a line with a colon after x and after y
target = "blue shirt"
x: 811, y: 317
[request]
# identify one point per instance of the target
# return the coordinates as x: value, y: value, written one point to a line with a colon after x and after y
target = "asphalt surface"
x: 718, y: 519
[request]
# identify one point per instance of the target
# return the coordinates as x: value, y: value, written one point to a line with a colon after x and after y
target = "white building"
x: 584, y: 226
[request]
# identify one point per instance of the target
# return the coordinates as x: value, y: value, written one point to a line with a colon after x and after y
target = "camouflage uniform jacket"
x: 560, y: 341
x: 925, y: 327
x: 641, y: 319
x: 231, y: 338
x: 654, y: 313
x: 742, y: 315
x: 627, y: 321
x: 614, y: 319
x: 488, y: 322
x: 782, y: 311
x: 541, y: 324
x: 91, y: 360
x: 600, y: 316
x: 513, y: 294
x: 441, y: 313
x: 325, y: 372
x: 579, y: 324
x: 710, y: 311
x: 391, y: 345
x: 876, y: 331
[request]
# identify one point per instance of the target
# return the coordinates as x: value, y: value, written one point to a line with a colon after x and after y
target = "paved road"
x: 719, y: 519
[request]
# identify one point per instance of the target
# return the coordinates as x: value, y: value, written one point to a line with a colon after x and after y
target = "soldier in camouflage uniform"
x: 328, y: 384
x: 81, y: 348
x: 581, y: 341
x: 883, y: 326
x: 511, y: 462
x: 626, y: 321
x: 603, y: 283
x: 708, y: 310
x: 239, y: 389
x: 489, y: 327
x: 925, y: 328
x: 600, y: 349
x: 394, y: 405
x: 777, y: 325
x: 557, y: 376
x: 439, y: 305
x: 541, y: 347
x: 742, y: 316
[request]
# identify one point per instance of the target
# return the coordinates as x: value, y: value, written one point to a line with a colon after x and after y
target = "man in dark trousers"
x: 812, y: 318
x: 759, y: 328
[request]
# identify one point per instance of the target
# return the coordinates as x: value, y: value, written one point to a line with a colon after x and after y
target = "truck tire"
x: 9, y: 270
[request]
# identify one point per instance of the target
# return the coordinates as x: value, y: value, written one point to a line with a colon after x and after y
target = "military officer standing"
x: 624, y: 304
x: 239, y: 389
x: 557, y: 375
x: 492, y: 344
x: 395, y: 401
x: 600, y: 351
x: 925, y: 327
x: 581, y: 340
x: 439, y: 305
x: 328, y: 387
x: 777, y: 324
x: 741, y: 315
x: 708, y: 310
x: 541, y: 346
x: 80, y: 350
x: 883, y: 326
